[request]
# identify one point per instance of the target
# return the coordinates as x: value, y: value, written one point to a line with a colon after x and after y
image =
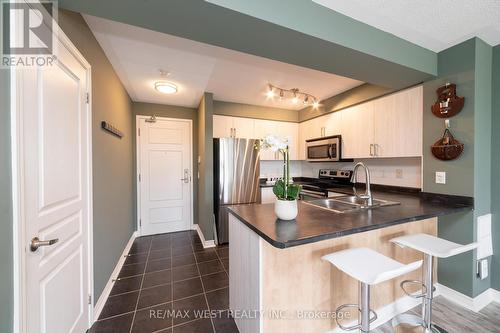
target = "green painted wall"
x: 356, y: 95
x: 469, y: 66
x: 318, y: 21
x: 6, y: 255
x: 482, y: 142
x: 113, y: 176
x: 169, y: 111
x: 206, y: 166
x: 255, y: 111
x: 495, y: 180
x: 299, y: 32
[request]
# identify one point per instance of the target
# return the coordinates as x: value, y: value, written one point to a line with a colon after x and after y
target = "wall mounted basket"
x: 447, y: 148
x: 448, y: 103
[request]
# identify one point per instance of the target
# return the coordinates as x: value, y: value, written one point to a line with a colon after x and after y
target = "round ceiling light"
x: 166, y: 87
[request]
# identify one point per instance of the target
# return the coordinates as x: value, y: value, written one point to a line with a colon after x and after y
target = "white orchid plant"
x: 283, y: 189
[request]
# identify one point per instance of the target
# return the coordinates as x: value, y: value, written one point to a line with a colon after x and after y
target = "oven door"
x: 323, y: 150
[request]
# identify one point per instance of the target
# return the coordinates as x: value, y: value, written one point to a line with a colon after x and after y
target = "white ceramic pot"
x: 286, y: 209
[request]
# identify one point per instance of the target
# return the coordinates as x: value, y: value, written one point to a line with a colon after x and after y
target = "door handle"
x: 36, y: 243
x: 186, y: 178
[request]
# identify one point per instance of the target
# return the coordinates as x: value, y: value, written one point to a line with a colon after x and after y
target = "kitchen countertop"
x: 314, y: 224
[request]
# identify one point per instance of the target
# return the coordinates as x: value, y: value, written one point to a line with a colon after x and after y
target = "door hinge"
x: 140, y: 222
x: 89, y: 300
x: 139, y: 177
x: 87, y: 98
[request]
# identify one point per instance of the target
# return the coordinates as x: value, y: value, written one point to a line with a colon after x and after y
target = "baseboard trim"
x: 388, y: 312
x: 495, y: 295
x: 206, y: 243
x: 475, y: 304
x: 109, y: 285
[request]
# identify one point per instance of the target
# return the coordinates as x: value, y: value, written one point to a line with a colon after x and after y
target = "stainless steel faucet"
x: 368, y: 193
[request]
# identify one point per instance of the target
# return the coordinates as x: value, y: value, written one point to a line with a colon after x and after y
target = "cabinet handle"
x: 234, y: 131
x: 371, y: 149
x: 375, y: 149
x: 323, y: 131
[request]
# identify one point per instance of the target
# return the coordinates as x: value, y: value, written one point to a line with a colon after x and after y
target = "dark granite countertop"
x: 314, y: 224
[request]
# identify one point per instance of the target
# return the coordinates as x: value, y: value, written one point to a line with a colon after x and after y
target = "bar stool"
x: 431, y: 247
x: 369, y: 268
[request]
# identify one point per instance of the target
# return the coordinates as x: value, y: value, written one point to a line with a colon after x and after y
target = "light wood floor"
x: 456, y: 319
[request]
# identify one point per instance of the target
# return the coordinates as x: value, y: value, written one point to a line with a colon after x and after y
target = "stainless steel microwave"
x: 324, y: 149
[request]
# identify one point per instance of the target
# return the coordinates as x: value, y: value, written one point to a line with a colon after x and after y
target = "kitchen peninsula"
x: 276, y: 266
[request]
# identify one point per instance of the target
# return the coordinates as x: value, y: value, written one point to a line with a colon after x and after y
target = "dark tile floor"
x: 167, y: 282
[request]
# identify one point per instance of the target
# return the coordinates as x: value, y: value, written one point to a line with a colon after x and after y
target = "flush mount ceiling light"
x: 165, y: 87
x: 294, y: 94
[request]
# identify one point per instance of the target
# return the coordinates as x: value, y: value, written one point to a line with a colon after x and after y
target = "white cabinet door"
x: 398, y: 124
x: 267, y: 195
x: 357, y: 131
x: 290, y: 132
x: 222, y: 126
x: 243, y: 128
x: 332, y: 123
x: 311, y: 129
x: 262, y: 129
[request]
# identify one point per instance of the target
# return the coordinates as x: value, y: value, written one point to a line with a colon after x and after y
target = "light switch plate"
x: 482, y: 269
x: 440, y: 177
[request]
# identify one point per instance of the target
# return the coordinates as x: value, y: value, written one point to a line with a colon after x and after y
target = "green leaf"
x: 279, y: 189
x: 293, y: 191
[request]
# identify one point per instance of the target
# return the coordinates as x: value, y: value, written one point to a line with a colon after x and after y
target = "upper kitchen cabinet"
x: 233, y: 127
x: 357, y: 129
x: 263, y: 128
x: 390, y: 126
x: 398, y: 120
x: 290, y: 131
x: 310, y: 129
x: 287, y: 130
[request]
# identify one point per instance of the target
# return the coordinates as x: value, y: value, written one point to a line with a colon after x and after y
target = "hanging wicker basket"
x: 448, y: 103
x: 447, y: 148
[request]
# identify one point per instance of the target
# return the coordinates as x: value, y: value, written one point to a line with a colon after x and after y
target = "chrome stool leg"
x: 427, y: 298
x: 365, y: 315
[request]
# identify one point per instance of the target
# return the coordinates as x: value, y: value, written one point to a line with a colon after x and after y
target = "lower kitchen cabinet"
x: 267, y: 195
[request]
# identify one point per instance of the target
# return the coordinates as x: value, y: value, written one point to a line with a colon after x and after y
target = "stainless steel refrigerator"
x: 236, y: 179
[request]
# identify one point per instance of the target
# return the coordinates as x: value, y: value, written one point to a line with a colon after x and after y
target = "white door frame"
x: 138, y: 166
x: 17, y: 153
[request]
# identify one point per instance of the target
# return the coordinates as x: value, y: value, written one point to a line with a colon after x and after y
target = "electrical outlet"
x: 440, y: 177
x: 399, y: 173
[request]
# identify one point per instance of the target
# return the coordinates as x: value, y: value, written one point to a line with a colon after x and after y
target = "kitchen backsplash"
x: 405, y: 172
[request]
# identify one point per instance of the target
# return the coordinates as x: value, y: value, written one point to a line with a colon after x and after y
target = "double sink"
x: 350, y: 203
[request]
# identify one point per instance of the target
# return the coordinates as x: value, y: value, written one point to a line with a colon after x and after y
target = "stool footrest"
x: 354, y: 327
x: 413, y: 282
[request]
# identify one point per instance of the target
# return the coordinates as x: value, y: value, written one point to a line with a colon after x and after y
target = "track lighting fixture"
x: 295, y: 94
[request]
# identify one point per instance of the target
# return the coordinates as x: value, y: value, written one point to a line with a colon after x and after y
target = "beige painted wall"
x: 113, y: 177
x: 255, y: 111
x: 357, y: 95
x: 170, y: 111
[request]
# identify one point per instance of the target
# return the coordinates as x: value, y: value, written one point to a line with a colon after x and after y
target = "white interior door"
x: 54, y: 177
x: 165, y: 175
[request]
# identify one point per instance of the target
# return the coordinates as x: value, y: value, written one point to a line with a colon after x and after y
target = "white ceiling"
x: 432, y: 24
x: 137, y: 54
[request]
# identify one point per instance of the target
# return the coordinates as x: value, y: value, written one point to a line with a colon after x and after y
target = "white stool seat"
x: 368, y: 266
x: 431, y: 245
